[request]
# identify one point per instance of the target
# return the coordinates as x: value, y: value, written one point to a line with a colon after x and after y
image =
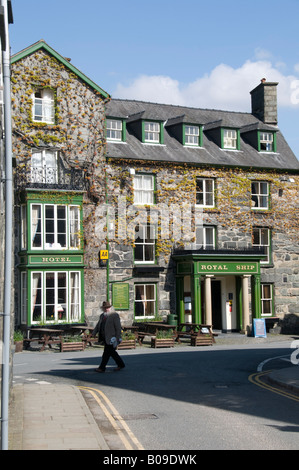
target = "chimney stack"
x: 264, y: 102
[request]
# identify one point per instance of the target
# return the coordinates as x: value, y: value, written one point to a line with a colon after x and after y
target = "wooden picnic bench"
x: 200, y: 334
x: 84, y: 330
x: 44, y: 336
x: 151, y: 329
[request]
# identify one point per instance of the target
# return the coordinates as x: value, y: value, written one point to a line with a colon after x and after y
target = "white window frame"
x: 144, y: 189
x: 260, y: 198
x: 44, y: 106
x: 265, y: 299
x: 145, y: 301
x: 266, y: 142
x: 62, y: 311
x: 114, y: 130
x: 262, y: 234
x: 192, y: 135
x: 152, y: 132
x: 230, y: 139
x: 145, y: 241
x: 72, y: 227
x: 206, y: 192
x: 44, y: 167
x: 204, y: 233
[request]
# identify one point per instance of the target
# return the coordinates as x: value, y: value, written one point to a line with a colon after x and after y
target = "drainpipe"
x: 107, y: 239
x: 8, y: 236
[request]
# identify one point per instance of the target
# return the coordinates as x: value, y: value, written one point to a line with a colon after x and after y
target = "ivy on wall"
x: 232, y: 211
x: 78, y: 132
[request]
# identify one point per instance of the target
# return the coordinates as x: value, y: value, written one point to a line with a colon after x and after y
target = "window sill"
x: 231, y: 150
x: 116, y: 142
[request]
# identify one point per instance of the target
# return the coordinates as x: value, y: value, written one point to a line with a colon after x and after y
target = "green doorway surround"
x: 203, y: 266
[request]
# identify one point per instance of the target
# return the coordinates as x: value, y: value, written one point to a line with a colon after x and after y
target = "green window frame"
x: 192, y: 135
x: 54, y: 226
x: 54, y: 296
x: 115, y: 129
x: 230, y: 138
x: 152, y: 132
x: 266, y: 141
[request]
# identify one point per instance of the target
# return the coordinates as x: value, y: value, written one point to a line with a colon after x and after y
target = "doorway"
x: 216, y: 305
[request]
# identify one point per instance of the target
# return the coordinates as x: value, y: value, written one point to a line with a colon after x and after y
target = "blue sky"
x: 195, y: 53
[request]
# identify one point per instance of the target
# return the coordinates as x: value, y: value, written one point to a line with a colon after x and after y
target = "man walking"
x: 109, y: 329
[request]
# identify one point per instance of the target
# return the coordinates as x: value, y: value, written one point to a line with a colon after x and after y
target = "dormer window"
x: 230, y: 139
x: 44, y: 106
x: 115, y: 129
x: 192, y: 135
x: 267, y: 142
x: 152, y: 132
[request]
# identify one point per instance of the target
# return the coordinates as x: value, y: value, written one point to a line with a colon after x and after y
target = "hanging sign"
x: 259, y: 328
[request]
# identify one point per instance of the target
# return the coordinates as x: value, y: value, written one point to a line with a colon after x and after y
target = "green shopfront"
x: 219, y: 289
x: 51, y: 264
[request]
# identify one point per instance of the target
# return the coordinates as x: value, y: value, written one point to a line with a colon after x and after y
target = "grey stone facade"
x: 109, y: 172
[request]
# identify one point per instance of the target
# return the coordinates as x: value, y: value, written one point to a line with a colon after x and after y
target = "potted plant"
x: 18, y: 341
x: 163, y: 339
x: 128, y: 341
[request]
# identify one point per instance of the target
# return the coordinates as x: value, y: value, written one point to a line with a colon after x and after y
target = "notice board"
x: 259, y: 328
x: 120, y: 296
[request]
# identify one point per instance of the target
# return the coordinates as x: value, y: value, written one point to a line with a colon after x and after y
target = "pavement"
x: 57, y: 417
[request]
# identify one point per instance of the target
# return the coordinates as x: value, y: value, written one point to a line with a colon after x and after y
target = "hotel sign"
x: 206, y: 267
x: 54, y: 259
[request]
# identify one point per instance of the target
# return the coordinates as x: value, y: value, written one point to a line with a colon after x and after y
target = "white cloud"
x: 224, y: 88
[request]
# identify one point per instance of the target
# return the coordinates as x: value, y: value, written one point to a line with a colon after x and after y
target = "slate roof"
x: 209, y: 154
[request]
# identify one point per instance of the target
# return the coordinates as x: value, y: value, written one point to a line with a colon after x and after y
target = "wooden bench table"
x: 44, y: 336
x: 151, y: 329
x: 84, y: 330
x: 195, y: 332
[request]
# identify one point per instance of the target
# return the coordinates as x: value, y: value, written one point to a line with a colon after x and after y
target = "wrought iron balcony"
x: 43, y: 177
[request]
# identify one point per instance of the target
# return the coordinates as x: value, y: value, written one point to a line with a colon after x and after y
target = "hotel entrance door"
x: 216, y: 305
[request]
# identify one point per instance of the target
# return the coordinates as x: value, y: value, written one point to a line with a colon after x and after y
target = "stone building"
x: 58, y: 140
x: 202, y: 213
x: 169, y: 212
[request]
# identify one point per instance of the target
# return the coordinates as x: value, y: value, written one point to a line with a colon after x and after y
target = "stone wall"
x: 78, y: 136
x: 233, y: 218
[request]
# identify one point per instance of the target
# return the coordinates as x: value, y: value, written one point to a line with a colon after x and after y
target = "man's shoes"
x: 118, y: 369
x: 99, y: 370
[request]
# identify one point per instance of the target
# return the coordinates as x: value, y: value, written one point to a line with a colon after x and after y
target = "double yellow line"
x: 117, y: 422
x: 257, y: 380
